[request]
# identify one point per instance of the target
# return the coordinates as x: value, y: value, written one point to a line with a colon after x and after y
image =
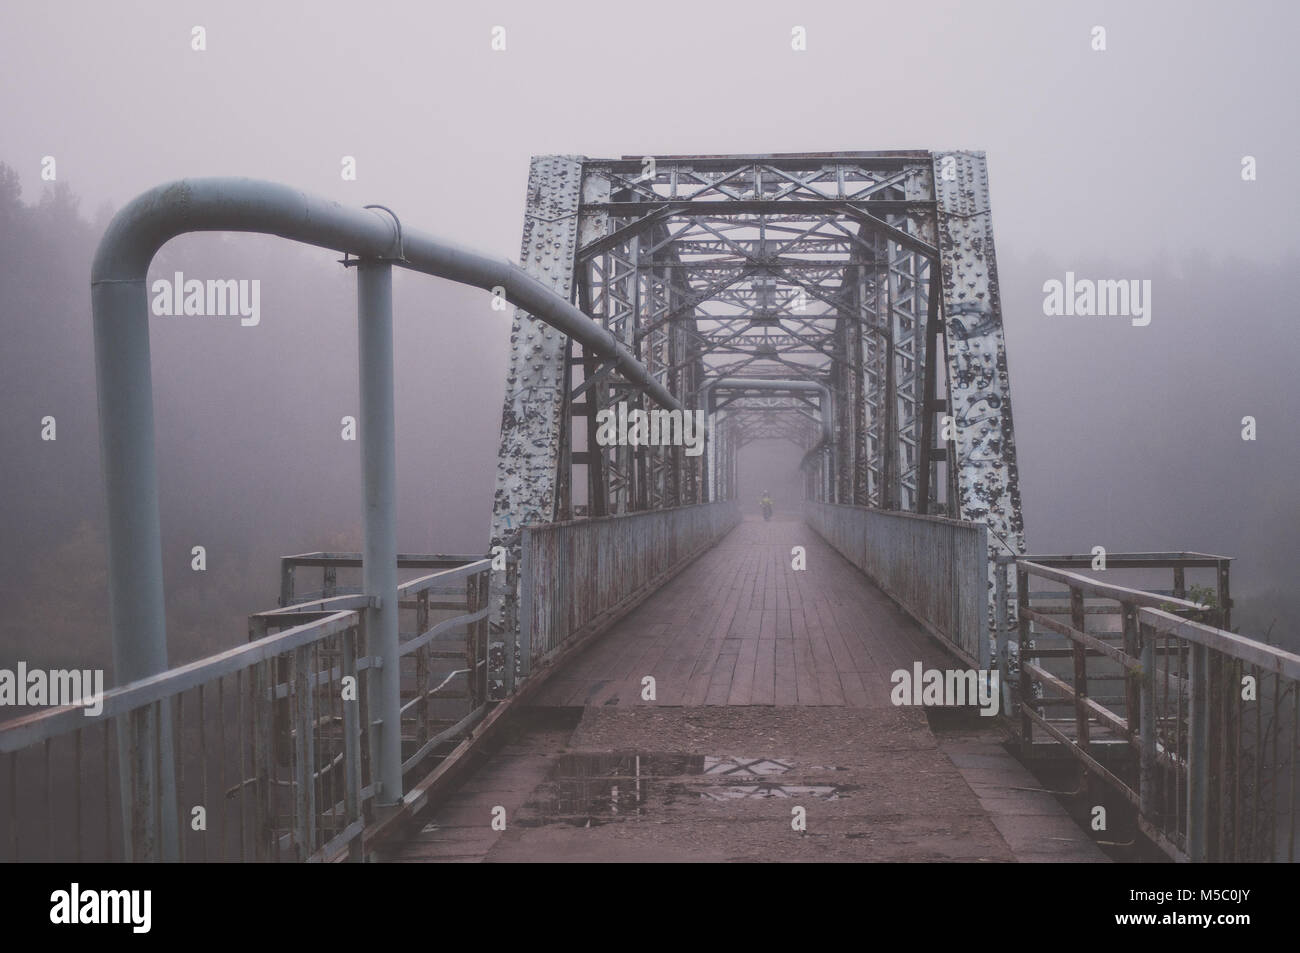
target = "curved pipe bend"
x: 249, y: 205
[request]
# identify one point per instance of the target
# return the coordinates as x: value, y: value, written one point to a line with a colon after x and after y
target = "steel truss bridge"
x: 845, y: 302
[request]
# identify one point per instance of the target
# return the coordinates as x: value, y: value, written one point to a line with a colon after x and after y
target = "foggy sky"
x: 1123, y: 163
x: 1133, y: 150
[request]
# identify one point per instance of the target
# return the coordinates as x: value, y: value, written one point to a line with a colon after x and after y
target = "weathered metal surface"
x: 933, y: 567
x: 575, y: 572
x: 979, y: 386
x: 536, y: 385
x: 908, y: 289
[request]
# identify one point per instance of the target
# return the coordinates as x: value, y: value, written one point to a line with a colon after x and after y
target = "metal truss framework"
x: 872, y: 273
x: 748, y: 419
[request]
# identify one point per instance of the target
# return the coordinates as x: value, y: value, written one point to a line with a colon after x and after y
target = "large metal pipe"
x: 379, y: 491
x: 251, y: 205
x: 121, y: 317
x: 120, y: 306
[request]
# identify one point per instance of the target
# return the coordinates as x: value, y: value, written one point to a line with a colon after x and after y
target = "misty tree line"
x: 250, y: 461
x: 52, y: 561
x: 1132, y: 434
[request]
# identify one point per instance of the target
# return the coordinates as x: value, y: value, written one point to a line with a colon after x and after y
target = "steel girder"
x: 533, y: 423
x: 979, y: 384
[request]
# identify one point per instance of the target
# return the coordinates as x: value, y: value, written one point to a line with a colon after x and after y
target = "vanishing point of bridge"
x: 633, y: 670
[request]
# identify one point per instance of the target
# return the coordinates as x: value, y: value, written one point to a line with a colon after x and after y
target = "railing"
x: 291, y: 590
x: 271, y: 759
x: 272, y: 746
x: 1143, y: 570
x: 935, y: 568
x: 1198, y: 729
x: 575, y: 576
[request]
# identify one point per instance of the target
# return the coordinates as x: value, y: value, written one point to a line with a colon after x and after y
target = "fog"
x: 1123, y: 163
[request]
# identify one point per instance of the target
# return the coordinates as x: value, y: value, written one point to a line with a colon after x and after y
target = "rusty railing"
x: 1193, y: 725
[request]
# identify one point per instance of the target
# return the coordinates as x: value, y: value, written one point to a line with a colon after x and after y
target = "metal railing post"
x: 352, y: 744
x: 304, y: 752
x: 1147, y: 795
x: 379, y: 484
x: 525, y: 629
x: 286, y: 583
x: 1025, y: 684
x: 1198, y: 754
x: 1079, y: 622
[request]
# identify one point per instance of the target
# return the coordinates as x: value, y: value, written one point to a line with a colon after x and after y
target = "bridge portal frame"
x: 872, y: 273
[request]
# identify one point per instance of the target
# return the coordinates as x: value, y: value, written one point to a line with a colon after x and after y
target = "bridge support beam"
x: 379, y: 489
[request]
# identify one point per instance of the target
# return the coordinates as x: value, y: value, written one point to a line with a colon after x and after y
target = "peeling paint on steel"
x: 528, y: 461
x: 978, y: 381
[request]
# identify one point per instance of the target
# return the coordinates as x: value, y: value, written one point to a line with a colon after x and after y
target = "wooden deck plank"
x: 786, y: 685
x: 764, y: 691
x: 807, y: 677
x: 742, y: 681
x: 741, y: 627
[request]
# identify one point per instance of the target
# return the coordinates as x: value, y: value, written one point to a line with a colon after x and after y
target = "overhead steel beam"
x: 769, y: 385
x: 723, y: 208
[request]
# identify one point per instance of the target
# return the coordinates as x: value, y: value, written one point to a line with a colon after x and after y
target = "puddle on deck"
x: 587, y: 790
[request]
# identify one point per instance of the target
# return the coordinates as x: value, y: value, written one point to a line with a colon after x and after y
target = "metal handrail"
x: 1188, y: 789
x: 1277, y: 660
x: 1120, y: 594
x: 295, y: 669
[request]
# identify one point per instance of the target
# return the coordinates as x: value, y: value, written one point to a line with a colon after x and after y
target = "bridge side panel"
x: 532, y: 416
x: 978, y: 381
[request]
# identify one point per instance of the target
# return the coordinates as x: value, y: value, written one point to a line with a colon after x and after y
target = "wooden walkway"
x: 741, y: 627
x: 754, y: 663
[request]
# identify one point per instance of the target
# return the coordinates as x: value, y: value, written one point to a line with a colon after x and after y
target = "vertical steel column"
x: 982, y: 458
x: 713, y: 435
x: 379, y: 486
x: 532, y: 414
